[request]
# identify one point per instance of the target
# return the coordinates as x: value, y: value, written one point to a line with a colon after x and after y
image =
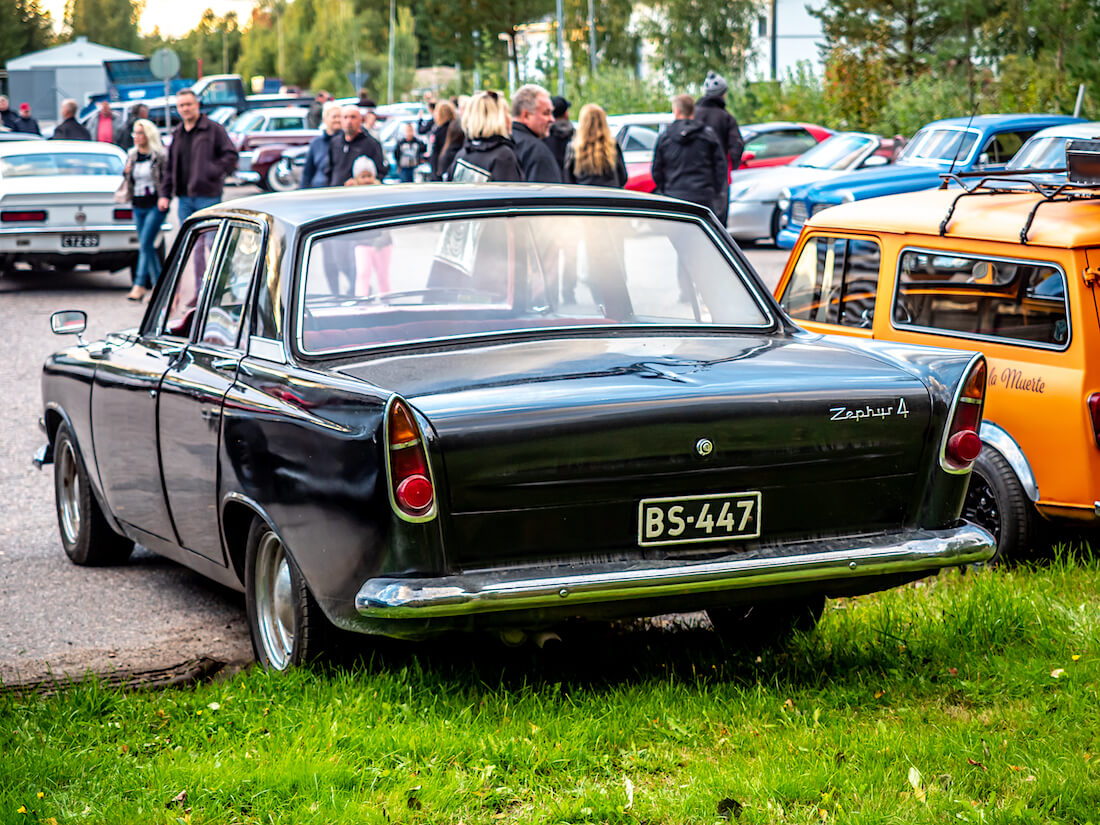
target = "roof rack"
x: 1015, y: 183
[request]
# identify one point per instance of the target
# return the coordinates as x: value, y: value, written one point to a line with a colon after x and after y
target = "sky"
x: 174, y: 17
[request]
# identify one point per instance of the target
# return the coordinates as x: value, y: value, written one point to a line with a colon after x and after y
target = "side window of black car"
x: 230, y: 287
x: 190, y: 276
x: 835, y: 281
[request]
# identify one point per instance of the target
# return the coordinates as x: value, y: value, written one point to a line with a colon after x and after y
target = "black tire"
x: 85, y: 534
x: 996, y: 501
x: 287, y: 625
x: 755, y: 626
x: 774, y: 226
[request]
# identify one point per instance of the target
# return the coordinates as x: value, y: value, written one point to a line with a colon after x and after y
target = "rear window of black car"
x: 491, y: 274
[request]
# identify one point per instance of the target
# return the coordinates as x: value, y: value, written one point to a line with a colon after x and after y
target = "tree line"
x: 889, y: 65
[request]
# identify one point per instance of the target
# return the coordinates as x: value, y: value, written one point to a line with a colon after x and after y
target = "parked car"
x: 390, y: 409
x: 959, y: 144
x: 1046, y: 150
x: 257, y: 128
x: 755, y: 193
x: 57, y: 206
x: 766, y: 144
x: 1005, y: 271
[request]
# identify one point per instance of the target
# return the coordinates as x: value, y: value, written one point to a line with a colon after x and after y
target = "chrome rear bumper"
x: 912, y: 551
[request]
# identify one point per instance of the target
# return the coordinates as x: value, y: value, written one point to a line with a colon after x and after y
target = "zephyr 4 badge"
x: 858, y: 413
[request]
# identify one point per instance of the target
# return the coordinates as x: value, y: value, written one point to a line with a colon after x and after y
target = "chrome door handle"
x: 223, y: 363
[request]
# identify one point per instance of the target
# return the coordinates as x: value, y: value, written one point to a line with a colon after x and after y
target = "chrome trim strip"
x: 510, y: 211
x: 968, y: 336
x: 912, y: 551
x: 999, y: 439
x: 68, y: 230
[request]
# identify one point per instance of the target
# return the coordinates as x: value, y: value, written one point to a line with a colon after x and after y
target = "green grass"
x: 967, y: 698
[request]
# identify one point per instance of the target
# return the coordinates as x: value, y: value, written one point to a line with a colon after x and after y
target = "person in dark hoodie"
x: 688, y: 162
x: 316, y: 171
x: 532, y: 113
x: 561, y: 130
x: 442, y: 116
x: 69, y: 128
x: 488, y: 153
x: 711, y: 110
x: 350, y: 144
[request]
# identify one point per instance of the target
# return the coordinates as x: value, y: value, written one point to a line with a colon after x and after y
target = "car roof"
x: 301, y: 111
x: 998, y: 217
x: 309, y: 205
x: 998, y: 120
x: 1070, y: 130
x: 50, y: 147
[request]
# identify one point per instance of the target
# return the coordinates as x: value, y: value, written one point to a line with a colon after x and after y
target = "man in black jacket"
x: 69, y: 128
x: 200, y: 158
x: 561, y: 130
x: 532, y: 114
x: 711, y: 110
x: 350, y: 144
x: 688, y: 162
x: 7, y: 116
x: 24, y: 122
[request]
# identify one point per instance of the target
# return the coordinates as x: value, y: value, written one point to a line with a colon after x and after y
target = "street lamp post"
x: 393, y: 37
x: 561, y: 54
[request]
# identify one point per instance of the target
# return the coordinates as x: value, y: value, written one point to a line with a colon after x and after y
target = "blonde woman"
x: 488, y: 154
x: 142, y: 176
x: 593, y: 157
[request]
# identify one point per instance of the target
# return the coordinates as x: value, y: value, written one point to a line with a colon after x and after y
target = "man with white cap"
x: 711, y: 110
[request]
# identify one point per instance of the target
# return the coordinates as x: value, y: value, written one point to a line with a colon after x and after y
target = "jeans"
x: 149, y: 221
x: 406, y: 173
x: 187, y: 205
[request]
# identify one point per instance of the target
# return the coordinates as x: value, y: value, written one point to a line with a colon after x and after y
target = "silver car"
x: 755, y: 193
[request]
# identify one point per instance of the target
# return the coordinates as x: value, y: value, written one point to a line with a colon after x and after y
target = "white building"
x: 45, y: 78
x: 797, y: 37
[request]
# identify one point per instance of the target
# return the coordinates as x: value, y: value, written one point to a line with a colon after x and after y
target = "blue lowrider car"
x: 960, y: 144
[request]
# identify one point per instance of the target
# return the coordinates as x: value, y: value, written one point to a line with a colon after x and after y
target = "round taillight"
x: 415, y: 493
x: 963, y: 447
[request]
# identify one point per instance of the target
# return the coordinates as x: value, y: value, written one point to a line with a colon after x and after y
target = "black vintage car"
x: 408, y: 410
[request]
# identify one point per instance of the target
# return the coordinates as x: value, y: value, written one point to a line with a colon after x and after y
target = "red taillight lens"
x: 963, y: 444
x: 18, y: 216
x: 124, y: 214
x: 410, y: 480
x: 1094, y: 414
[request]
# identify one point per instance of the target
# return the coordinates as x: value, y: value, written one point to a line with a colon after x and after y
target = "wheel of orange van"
x: 996, y: 501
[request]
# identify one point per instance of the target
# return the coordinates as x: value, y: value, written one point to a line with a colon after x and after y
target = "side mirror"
x: 69, y: 322
x: 875, y: 160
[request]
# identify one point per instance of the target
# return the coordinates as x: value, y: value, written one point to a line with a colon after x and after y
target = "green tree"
x: 616, y: 45
x: 694, y: 37
x: 108, y: 22
x: 26, y: 28
x: 904, y: 33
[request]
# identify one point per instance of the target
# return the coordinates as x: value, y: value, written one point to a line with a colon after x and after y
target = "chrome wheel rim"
x: 68, y: 493
x: 274, y: 601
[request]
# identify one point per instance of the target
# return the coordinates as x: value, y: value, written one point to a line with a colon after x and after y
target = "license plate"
x: 80, y: 241
x: 687, y: 519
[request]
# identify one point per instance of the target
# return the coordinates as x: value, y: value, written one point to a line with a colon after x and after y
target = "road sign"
x: 165, y: 64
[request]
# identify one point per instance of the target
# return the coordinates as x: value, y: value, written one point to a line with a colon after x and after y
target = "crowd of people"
x: 482, y: 138
x: 487, y: 138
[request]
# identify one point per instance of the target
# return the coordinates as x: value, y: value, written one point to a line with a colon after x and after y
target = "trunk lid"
x: 545, y: 450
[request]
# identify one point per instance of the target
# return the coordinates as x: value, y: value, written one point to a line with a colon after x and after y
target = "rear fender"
x: 998, y: 438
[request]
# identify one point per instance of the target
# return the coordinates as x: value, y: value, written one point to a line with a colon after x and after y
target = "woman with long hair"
x: 593, y: 158
x: 488, y: 153
x: 443, y: 115
x: 142, y: 176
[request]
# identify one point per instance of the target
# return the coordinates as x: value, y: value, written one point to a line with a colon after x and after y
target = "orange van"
x: 1008, y: 269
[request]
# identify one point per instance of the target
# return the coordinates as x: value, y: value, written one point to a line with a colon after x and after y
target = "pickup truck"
x: 959, y: 144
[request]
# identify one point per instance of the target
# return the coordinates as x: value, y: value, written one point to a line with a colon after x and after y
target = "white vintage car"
x: 57, y: 206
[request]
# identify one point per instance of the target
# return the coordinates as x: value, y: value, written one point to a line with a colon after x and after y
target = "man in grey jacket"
x: 104, y: 125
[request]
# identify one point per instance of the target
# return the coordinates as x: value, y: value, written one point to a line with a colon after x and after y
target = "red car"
x: 766, y: 144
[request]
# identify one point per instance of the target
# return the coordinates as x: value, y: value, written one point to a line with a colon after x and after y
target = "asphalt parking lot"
x: 150, y: 613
